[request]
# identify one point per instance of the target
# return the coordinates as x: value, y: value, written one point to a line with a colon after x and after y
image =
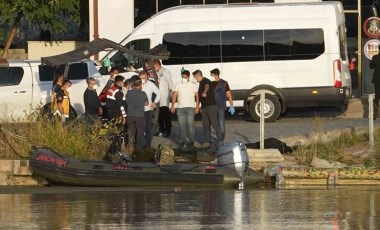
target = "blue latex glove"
x: 231, y: 110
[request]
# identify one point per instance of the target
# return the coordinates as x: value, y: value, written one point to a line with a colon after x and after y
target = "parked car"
x: 25, y: 84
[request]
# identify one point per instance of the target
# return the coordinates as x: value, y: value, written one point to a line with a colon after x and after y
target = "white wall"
x: 115, y: 17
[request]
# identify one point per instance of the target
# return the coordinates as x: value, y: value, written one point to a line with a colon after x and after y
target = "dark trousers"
x: 148, y: 128
x: 136, y: 129
x: 91, y: 118
x: 209, y: 118
x: 165, y: 120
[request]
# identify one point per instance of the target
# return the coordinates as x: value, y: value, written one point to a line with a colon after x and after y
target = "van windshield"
x: 123, y: 61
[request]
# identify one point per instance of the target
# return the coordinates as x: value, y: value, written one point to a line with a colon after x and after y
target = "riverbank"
x: 294, y: 132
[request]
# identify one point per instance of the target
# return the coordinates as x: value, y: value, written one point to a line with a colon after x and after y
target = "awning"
x: 101, y: 44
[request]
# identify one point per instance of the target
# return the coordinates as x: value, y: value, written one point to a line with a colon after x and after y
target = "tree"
x: 44, y: 14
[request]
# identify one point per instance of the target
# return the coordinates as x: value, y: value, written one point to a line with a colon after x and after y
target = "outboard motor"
x: 234, y: 156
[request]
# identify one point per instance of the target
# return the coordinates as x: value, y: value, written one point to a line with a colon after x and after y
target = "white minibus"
x: 294, y: 52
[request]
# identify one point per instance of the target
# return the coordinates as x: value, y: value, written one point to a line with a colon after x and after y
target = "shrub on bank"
x: 336, y: 150
x: 75, y: 138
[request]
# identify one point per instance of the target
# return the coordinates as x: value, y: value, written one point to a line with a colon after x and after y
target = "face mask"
x: 68, y: 90
x: 143, y: 81
x: 94, y: 87
x: 184, y: 80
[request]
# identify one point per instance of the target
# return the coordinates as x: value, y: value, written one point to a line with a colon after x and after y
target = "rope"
x: 13, y: 134
x: 10, y: 145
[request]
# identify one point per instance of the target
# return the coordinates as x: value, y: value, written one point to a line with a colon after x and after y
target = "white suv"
x: 26, y: 84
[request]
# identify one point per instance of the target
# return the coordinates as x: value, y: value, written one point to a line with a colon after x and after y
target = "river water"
x: 344, y: 207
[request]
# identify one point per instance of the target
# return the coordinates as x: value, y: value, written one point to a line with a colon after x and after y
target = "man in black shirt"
x: 92, y: 105
x: 209, y: 109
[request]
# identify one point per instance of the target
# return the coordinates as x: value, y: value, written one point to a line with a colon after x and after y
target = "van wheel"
x: 272, y: 108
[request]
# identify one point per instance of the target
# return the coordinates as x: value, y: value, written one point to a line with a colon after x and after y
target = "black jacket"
x: 91, y: 102
x: 375, y: 64
x: 114, y: 102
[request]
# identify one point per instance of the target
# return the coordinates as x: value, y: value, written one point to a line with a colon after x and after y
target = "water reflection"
x: 110, y: 208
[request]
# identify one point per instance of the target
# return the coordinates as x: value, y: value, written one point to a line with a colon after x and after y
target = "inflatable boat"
x: 231, y: 169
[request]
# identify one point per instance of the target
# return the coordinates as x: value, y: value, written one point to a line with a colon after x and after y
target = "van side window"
x: 293, y: 44
x: 11, y: 75
x: 193, y: 47
x: 243, y: 45
x: 77, y: 71
x: 240, y: 46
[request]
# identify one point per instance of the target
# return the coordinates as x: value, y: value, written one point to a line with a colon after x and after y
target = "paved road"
x: 294, y: 123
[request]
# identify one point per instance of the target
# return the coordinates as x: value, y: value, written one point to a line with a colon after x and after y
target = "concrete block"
x: 22, y: 181
x: 265, y: 155
x: 3, y: 178
x: 20, y: 168
x: 6, y: 166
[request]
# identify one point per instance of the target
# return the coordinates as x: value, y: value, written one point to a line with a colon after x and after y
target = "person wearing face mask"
x: 113, y: 73
x: 221, y: 92
x: 166, y: 87
x: 209, y: 109
x: 63, y: 101
x: 92, y: 105
x: 187, y: 98
x: 149, y: 88
x: 114, y: 102
x: 57, y: 84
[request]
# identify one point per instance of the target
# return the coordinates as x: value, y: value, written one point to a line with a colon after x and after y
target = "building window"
x: 192, y: 2
x: 144, y: 9
x: 216, y: 1
x: 239, y: 1
x: 164, y: 4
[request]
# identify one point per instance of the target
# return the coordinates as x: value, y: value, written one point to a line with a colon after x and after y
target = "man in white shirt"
x: 149, y: 88
x: 166, y: 87
x: 187, y: 98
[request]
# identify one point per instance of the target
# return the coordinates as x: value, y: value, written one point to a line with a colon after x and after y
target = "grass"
x: 75, y: 138
x: 82, y: 141
x: 337, y: 149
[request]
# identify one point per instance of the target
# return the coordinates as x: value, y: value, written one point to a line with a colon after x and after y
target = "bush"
x: 75, y: 138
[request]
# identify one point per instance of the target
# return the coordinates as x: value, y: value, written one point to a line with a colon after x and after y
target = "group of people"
x: 135, y: 99
x: 208, y: 98
x: 130, y: 103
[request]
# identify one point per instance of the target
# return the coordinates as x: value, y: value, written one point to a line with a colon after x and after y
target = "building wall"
x: 38, y: 49
x: 115, y: 20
